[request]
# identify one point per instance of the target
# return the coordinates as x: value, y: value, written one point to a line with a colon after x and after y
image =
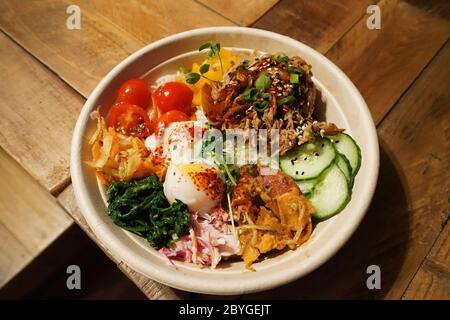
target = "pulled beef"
x: 226, y: 107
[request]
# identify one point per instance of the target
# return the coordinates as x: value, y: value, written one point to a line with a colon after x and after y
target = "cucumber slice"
x: 306, y: 186
x: 309, y: 160
x: 345, y: 167
x: 331, y: 193
x: 345, y: 145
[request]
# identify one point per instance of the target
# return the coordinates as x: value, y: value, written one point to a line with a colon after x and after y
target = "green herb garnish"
x: 214, y: 50
x: 246, y: 63
x: 286, y: 100
x: 204, y: 46
x: 140, y: 207
x: 204, y: 68
x: 192, y: 77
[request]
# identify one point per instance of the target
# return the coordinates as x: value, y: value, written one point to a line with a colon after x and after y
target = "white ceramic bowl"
x: 345, y: 106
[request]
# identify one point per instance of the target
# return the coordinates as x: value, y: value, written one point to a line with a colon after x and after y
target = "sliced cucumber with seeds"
x: 345, y: 145
x: 330, y: 194
x: 309, y: 160
x: 345, y: 167
x: 306, y: 186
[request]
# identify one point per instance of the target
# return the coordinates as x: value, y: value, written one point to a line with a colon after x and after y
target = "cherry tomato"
x: 153, y: 116
x: 174, y: 96
x: 171, y: 116
x: 129, y: 119
x: 134, y: 91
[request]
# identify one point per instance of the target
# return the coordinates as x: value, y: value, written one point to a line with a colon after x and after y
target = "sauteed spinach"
x: 140, y: 207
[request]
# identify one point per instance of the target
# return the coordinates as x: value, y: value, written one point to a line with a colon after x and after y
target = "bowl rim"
x: 117, y: 249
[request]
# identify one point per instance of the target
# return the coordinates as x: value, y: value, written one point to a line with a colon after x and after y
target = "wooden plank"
x: 30, y: 218
x: 152, y: 289
x: 432, y: 281
x: 14, y: 256
x: 244, y: 13
x: 410, y: 204
x: 150, y: 20
x: 82, y: 57
x: 37, y: 115
x: 383, y: 63
x: 319, y: 24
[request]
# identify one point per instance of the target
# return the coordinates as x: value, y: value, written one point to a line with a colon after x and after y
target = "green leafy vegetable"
x: 141, y: 207
x: 263, y: 82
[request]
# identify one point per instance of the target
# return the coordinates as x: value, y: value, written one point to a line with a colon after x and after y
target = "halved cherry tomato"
x: 153, y: 116
x: 134, y: 91
x: 171, y: 116
x: 129, y: 119
x: 174, y: 96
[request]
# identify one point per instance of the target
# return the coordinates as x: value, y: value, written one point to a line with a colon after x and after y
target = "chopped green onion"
x: 204, y: 68
x: 292, y: 69
x: 281, y: 58
x: 263, y: 82
x: 265, y: 95
x: 192, y: 78
x: 245, y: 63
x: 294, y: 78
x: 250, y: 94
x: 260, y: 107
x: 286, y: 100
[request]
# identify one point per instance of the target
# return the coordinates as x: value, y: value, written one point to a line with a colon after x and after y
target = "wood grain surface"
x: 243, y: 13
x: 150, y: 20
x: 319, y: 24
x: 108, y: 33
x: 152, y: 289
x: 410, y: 204
x: 28, y: 224
x: 38, y: 112
x: 432, y: 281
x: 383, y: 63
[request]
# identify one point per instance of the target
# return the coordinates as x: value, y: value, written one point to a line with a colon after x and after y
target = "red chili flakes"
x: 210, y: 182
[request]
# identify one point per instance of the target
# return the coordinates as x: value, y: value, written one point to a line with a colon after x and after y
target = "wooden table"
x: 402, y: 70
